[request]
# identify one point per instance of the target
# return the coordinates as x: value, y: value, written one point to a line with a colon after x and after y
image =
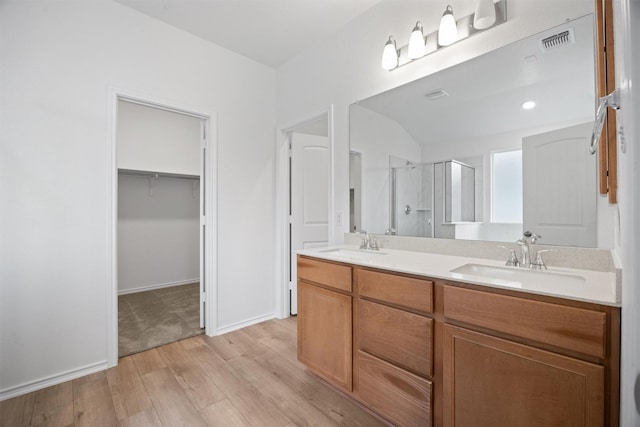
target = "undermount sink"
x: 520, y: 277
x: 353, y: 253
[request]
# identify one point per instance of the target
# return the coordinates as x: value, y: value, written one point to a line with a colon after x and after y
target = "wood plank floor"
x: 249, y: 377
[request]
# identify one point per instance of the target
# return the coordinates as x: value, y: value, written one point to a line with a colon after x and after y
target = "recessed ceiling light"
x: 528, y: 105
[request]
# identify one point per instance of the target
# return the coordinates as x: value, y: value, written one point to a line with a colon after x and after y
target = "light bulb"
x: 485, y: 15
x: 390, y: 55
x: 448, y: 31
x: 416, y: 42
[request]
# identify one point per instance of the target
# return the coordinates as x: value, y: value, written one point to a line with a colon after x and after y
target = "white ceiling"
x: 268, y: 31
x: 485, y: 94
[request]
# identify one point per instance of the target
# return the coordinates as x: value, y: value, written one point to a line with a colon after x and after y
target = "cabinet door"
x: 494, y: 382
x: 324, y: 333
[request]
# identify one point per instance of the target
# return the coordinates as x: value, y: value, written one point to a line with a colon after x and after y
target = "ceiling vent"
x: 563, y: 38
x: 436, y: 94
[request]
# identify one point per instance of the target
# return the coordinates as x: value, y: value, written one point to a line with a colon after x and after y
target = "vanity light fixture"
x: 528, y: 105
x: 485, y: 15
x: 448, y: 30
x: 488, y: 15
x: 416, y: 42
x: 390, y: 55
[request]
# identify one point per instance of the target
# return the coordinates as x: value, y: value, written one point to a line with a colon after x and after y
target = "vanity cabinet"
x: 325, y: 320
x: 421, y: 352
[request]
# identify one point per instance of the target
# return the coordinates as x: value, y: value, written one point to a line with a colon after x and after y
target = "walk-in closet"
x: 159, y: 238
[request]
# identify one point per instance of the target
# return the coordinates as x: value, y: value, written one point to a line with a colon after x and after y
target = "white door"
x: 559, y: 186
x: 309, y: 199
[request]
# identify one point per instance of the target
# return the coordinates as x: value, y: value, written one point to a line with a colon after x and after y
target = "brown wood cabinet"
x: 570, y: 328
x: 490, y: 382
x: 402, y: 338
x: 393, y: 346
x: 399, y: 396
x: 325, y: 325
x: 421, y: 352
x: 533, y: 354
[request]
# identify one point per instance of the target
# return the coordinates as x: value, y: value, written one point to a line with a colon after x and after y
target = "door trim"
x: 209, y: 198
x: 282, y: 203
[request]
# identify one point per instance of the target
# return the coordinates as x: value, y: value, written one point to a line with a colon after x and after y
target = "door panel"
x: 559, y: 180
x: 309, y: 198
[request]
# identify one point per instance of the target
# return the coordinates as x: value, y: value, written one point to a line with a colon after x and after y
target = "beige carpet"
x: 154, y: 318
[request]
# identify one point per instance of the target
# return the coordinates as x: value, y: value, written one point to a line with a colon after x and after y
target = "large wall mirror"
x: 486, y: 149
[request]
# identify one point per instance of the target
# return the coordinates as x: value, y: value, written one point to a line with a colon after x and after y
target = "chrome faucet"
x: 525, y: 250
x: 368, y: 243
x: 538, y: 263
x: 525, y: 255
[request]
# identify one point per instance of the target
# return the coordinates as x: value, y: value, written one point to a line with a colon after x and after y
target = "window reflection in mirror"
x: 506, y: 186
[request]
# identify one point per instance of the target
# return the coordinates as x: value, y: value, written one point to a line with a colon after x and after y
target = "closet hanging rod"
x: 151, y: 174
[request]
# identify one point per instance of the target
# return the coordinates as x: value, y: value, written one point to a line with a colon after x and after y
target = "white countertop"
x: 597, y: 287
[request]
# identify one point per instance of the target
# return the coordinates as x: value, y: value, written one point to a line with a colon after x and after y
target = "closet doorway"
x: 160, y: 225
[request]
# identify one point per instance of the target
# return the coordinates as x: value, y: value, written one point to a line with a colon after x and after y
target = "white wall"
x: 627, y: 40
x: 59, y: 61
x: 377, y: 137
x: 158, y: 233
x: 151, y: 139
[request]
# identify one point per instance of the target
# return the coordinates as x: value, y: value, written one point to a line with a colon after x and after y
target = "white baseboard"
x: 52, y: 380
x: 158, y: 286
x: 244, y: 324
x: 101, y: 366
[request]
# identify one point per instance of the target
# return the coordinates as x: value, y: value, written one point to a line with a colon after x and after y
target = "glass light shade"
x: 390, y: 55
x: 416, y: 43
x: 485, y: 15
x: 448, y: 31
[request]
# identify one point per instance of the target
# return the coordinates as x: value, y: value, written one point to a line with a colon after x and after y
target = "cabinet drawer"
x: 401, y: 397
x: 402, y: 291
x: 325, y: 273
x: 571, y: 328
x: 396, y: 336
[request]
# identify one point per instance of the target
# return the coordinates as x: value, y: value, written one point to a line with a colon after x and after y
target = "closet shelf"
x: 152, y: 174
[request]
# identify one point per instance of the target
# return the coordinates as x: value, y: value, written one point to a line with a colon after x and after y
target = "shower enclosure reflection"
x: 430, y: 199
